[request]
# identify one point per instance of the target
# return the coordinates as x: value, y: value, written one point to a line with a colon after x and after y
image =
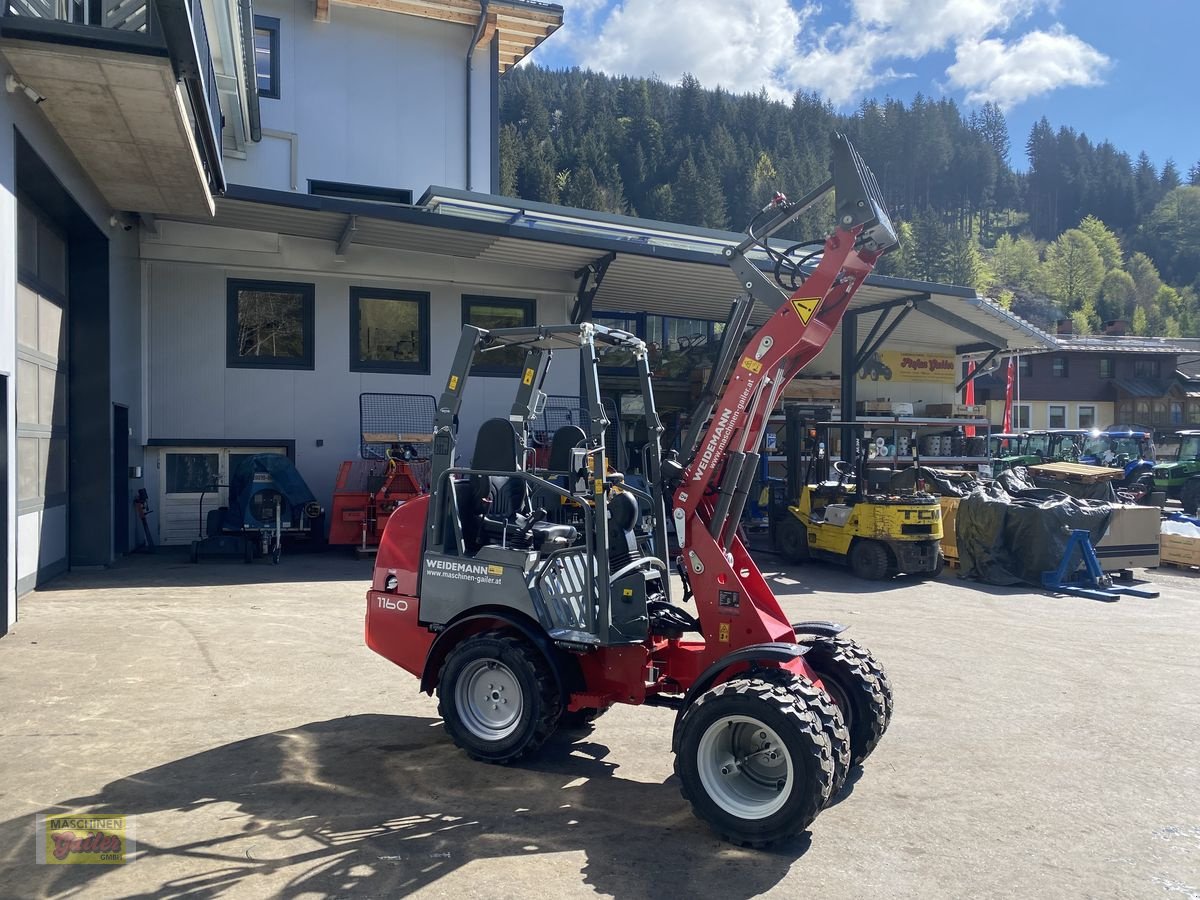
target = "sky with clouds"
x: 1121, y: 71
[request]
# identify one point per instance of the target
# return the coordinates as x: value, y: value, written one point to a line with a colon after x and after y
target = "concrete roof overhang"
x: 653, y: 267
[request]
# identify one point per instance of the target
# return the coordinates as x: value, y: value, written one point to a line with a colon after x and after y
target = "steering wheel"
x: 843, y: 468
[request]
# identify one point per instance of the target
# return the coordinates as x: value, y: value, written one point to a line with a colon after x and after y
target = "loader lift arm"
x: 709, y: 485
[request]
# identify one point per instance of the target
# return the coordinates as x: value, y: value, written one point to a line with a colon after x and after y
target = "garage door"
x: 192, y: 481
x: 41, y: 388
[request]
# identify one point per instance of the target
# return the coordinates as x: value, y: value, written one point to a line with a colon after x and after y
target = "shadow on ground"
x: 379, y: 806
x: 171, y: 567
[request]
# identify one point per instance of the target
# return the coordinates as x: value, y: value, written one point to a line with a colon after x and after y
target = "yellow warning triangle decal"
x: 805, y: 307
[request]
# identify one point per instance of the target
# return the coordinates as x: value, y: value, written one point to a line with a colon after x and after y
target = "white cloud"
x: 744, y: 45
x: 1040, y: 61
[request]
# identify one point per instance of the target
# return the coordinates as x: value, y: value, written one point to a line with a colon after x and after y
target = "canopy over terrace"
x: 621, y: 263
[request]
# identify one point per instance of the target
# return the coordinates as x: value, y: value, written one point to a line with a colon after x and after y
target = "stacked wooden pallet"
x: 1076, y: 472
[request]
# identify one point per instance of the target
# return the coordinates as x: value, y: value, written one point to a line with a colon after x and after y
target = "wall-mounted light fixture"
x: 12, y: 84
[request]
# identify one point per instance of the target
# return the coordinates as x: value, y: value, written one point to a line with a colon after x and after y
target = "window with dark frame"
x: 1107, y: 367
x: 1146, y: 368
x: 1024, y: 366
x: 266, y: 56
x: 1087, y: 417
x: 1059, y: 369
x: 269, y: 324
x: 1057, y: 417
x: 389, y: 331
x: 498, y: 312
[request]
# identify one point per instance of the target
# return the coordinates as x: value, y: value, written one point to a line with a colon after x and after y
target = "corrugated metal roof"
x: 1142, y: 387
x: 1120, y: 344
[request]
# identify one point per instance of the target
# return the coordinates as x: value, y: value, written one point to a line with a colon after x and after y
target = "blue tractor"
x: 1131, y: 451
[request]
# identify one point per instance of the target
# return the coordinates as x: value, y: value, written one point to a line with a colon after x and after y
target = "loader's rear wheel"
x: 754, y: 763
x: 820, y: 704
x: 869, y: 559
x: 858, y: 685
x: 497, y: 697
x: 791, y: 537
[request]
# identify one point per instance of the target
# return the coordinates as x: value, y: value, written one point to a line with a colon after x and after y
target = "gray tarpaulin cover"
x: 1010, y: 531
x: 935, y: 482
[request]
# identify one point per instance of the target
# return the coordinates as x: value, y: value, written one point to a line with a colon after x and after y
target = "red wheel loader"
x: 535, y: 599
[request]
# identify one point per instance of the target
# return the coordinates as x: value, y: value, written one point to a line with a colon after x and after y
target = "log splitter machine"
x: 525, y: 622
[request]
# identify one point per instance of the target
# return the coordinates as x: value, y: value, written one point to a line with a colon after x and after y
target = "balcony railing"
x: 122, y: 15
x: 174, y: 29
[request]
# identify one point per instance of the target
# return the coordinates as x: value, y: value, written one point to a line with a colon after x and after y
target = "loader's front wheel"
x: 858, y: 685
x: 497, y: 697
x: 753, y: 761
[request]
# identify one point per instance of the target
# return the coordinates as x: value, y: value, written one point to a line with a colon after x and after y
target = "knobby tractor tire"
x: 858, y: 684
x: 735, y: 775
x: 1189, y: 495
x: 509, y: 669
x: 821, y: 705
x: 791, y: 537
x: 869, y: 560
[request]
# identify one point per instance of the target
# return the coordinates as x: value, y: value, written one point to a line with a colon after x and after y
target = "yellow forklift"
x: 844, y: 512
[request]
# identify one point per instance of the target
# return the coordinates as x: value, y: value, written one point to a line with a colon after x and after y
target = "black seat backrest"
x: 564, y: 441
x: 498, y: 448
x: 622, y: 520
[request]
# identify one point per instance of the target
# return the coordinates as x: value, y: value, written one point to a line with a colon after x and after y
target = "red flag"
x: 969, y: 396
x: 1008, y: 397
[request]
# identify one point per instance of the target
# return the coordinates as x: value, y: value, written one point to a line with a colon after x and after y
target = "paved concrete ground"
x: 1041, y: 747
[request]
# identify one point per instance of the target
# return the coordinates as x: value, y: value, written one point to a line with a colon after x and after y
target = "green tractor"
x: 1012, y: 450
x: 1180, y: 477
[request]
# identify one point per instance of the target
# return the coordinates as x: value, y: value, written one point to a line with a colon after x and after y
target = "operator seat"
x: 502, y: 511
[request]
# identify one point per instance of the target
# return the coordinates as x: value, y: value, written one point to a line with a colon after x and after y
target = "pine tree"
x: 1169, y: 179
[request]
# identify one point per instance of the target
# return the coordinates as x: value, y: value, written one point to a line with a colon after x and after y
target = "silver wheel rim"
x: 488, y: 698
x: 744, y: 767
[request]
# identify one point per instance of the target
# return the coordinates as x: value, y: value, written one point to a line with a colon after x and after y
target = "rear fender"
x: 566, y: 671
x: 754, y: 656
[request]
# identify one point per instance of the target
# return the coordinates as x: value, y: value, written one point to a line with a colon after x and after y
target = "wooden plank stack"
x: 1077, y: 473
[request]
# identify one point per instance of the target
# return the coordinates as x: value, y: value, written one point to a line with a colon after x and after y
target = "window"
x: 266, y: 56
x: 1107, y: 369
x: 389, y: 331
x: 1059, y: 370
x: 498, y: 312
x: 270, y: 324
x: 1024, y: 366
x: 1176, y: 412
x: 369, y: 192
x: 618, y: 358
x: 193, y: 473
x: 1145, y: 368
x: 1087, y: 417
x: 1021, y: 417
x: 1057, y: 417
